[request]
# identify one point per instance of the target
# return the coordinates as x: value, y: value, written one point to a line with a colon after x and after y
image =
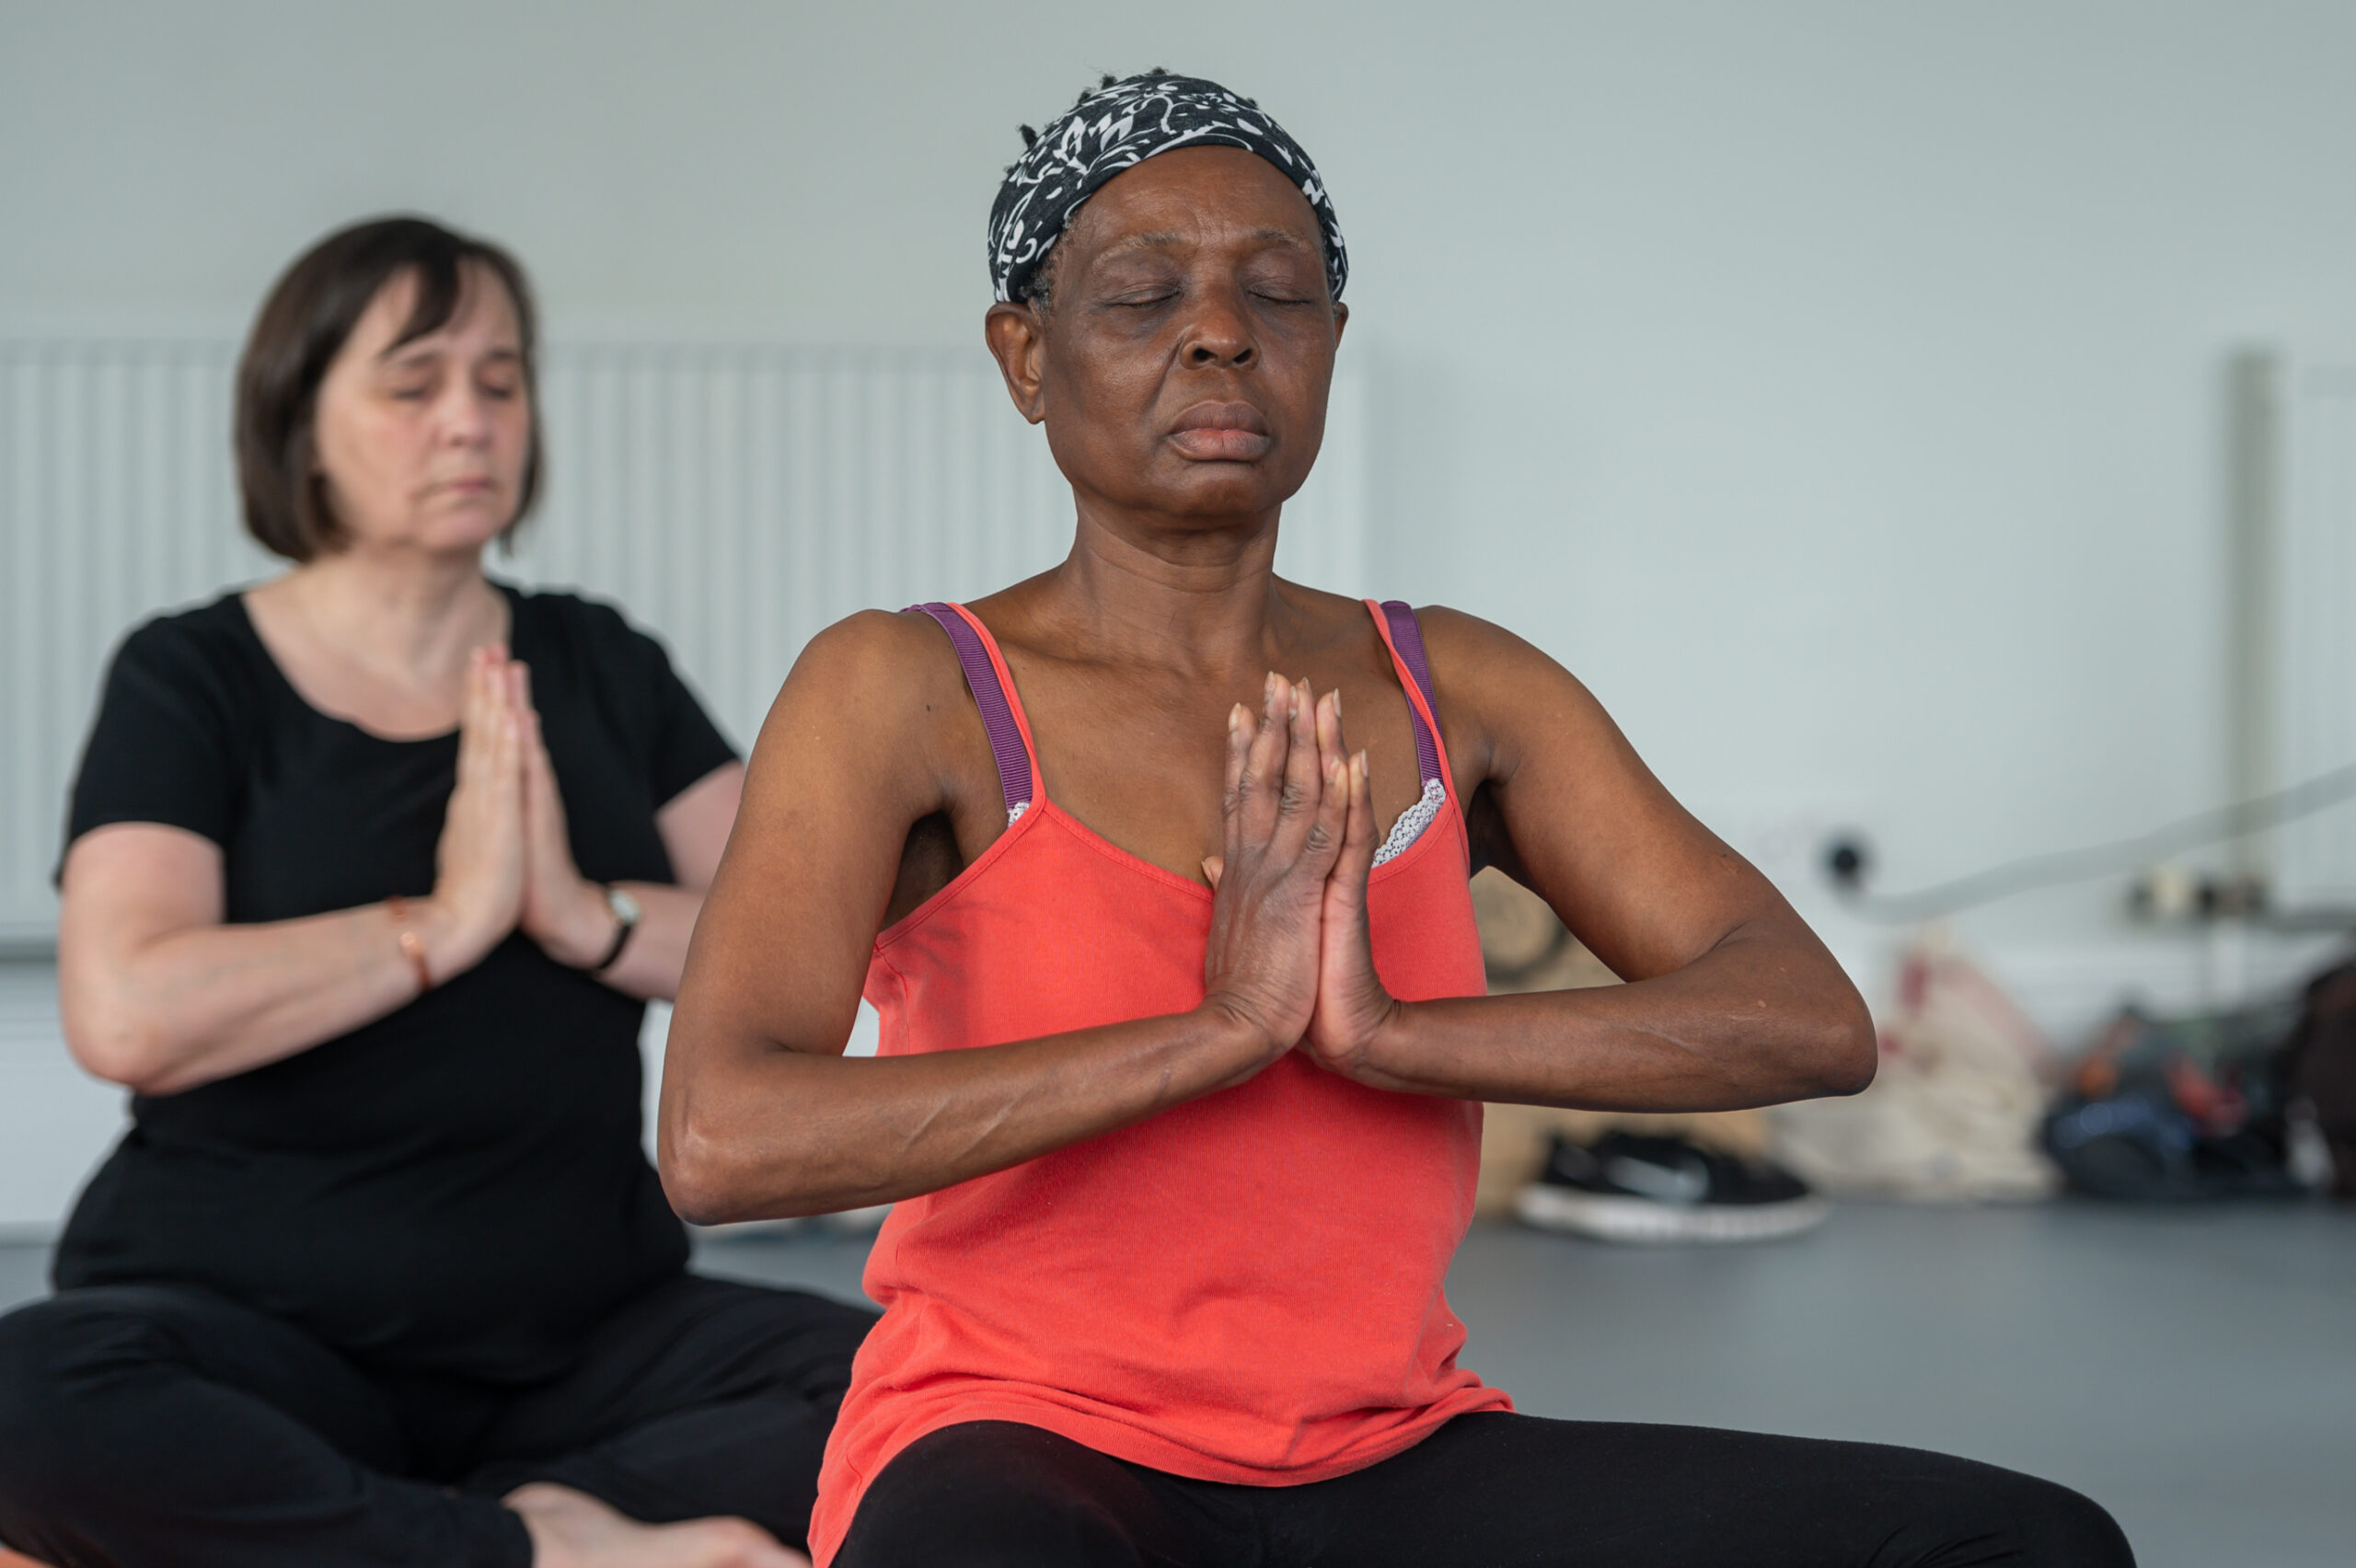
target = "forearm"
x: 652, y: 959
x: 785, y: 1133
x: 192, y: 1006
x: 1754, y: 1022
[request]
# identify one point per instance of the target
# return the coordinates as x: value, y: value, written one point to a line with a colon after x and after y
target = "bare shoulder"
x: 873, y: 654
x: 874, y: 716
x: 1511, y: 698
x: 884, y: 671
x: 1462, y: 644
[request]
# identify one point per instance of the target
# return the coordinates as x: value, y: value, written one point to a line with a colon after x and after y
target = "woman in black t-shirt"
x: 370, y: 870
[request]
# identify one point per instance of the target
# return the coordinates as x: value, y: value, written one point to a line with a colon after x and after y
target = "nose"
x: 1221, y: 335
x: 466, y: 415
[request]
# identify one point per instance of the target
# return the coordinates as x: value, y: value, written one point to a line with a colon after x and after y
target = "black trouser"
x: 161, y: 1425
x: 1483, y: 1492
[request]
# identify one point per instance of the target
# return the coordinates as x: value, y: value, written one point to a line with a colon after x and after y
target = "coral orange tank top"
x: 1244, y: 1288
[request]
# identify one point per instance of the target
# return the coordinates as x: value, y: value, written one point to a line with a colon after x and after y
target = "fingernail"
x: 1237, y: 717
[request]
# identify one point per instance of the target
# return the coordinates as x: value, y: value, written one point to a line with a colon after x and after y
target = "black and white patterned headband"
x: 1115, y: 129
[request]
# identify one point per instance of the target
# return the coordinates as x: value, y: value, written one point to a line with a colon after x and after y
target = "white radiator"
x: 116, y: 500
x: 2294, y: 685
x: 734, y: 500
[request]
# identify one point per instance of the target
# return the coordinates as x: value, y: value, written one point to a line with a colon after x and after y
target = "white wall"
x: 1853, y: 370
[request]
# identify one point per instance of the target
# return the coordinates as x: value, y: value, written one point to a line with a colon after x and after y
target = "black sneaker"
x: 1629, y: 1187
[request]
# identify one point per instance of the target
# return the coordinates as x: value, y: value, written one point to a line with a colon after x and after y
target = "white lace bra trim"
x: 1413, y: 821
x: 1403, y: 833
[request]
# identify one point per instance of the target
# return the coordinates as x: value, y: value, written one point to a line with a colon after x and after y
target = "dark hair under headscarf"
x: 1116, y: 128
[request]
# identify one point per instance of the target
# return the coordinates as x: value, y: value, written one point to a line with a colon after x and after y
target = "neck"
x: 407, y: 614
x: 1200, y: 598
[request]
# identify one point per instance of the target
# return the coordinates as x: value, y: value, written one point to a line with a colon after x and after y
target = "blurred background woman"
x: 370, y: 871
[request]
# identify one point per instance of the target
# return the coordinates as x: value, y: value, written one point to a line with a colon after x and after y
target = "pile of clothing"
x: 1969, y: 1104
x: 1953, y: 1111
x: 2257, y: 1102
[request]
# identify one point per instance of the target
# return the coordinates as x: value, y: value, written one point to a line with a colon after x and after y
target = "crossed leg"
x: 1484, y: 1489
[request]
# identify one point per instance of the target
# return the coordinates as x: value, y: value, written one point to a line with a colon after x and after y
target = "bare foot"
x: 573, y: 1529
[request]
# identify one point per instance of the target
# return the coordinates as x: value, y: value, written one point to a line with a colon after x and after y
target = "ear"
x: 1018, y: 341
x: 1341, y: 319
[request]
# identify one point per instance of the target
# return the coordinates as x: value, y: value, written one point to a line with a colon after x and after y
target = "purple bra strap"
x: 997, y: 714
x: 1408, y: 638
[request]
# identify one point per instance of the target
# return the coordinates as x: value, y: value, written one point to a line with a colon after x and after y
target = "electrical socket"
x: 2169, y: 892
x: 1792, y: 846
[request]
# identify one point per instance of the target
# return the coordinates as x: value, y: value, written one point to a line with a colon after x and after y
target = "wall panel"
x: 736, y: 498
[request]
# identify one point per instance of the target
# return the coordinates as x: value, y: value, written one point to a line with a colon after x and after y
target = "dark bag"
x: 2178, y: 1110
x: 2323, y: 1068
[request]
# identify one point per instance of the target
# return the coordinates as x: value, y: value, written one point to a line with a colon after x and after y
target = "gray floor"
x: 2194, y: 1371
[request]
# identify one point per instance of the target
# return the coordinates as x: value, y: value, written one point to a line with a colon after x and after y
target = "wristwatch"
x: 626, y: 917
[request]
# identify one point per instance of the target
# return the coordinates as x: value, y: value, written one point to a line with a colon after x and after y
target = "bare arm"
x: 694, y: 826
x: 568, y: 915
x: 160, y: 995
x: 1732, y: 1002
x: 761, y: 1113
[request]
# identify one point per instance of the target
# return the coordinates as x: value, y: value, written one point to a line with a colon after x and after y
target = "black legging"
x: 168, y: 1427
x: 1484, y: 1490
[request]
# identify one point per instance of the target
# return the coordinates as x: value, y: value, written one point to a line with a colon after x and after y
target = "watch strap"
x: 624, y: 924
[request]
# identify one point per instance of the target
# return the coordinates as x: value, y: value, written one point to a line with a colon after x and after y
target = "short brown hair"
x: 302, y: 326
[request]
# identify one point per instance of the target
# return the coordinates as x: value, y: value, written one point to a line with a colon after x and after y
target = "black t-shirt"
x: 457, y: 1187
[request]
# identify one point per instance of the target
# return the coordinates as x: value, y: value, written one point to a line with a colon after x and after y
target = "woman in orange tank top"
x: 1184, y: 1035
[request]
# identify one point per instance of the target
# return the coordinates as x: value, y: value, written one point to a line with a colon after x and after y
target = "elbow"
x: 120, y: 1045
x: 723, y: 1153
x: 695, y: 1183
x: 1846, y: 1054
x: 702, y: 1182
x: 712, y: 1178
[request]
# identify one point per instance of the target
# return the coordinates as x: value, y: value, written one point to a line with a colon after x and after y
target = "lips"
x: 1222, y: 433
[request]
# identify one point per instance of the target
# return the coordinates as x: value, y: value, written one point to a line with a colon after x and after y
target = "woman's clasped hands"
x: 504, y: 861
x: 1289, y: 950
